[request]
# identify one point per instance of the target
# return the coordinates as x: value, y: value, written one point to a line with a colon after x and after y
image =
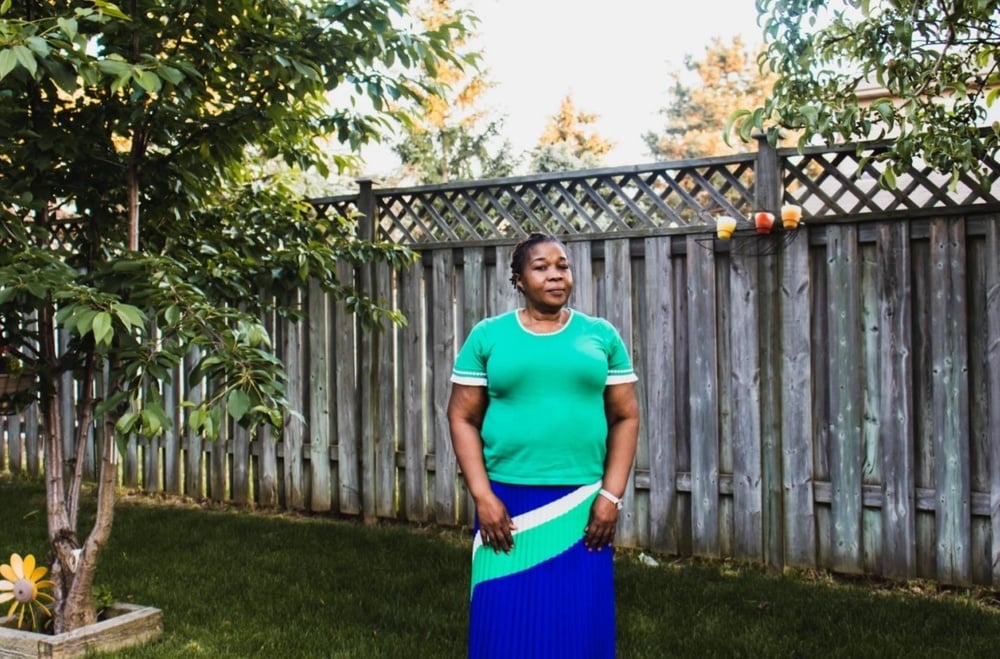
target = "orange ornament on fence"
x: 763, y: 221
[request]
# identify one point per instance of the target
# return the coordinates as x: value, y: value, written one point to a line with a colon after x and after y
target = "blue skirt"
x: 549, y: 597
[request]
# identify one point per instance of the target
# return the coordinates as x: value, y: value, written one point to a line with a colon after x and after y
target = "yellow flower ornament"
x: 21, y: 582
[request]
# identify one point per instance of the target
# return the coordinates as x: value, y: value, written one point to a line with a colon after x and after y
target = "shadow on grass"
x: 241, y: 584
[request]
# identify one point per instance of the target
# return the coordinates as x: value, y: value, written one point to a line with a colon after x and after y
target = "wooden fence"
x: 828, y: 396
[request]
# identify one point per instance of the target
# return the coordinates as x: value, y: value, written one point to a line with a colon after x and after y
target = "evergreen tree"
x: 565, y: 143
x: 446, y: 135
x: 696, y: 114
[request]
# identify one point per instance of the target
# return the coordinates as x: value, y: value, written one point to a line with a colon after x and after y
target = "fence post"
x: 767, y: 196
x: 368, y: 363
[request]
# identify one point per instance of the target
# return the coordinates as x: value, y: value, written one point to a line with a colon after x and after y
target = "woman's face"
x: 546, y: 279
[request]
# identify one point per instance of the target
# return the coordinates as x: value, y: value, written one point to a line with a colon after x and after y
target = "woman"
x: 544, y: 421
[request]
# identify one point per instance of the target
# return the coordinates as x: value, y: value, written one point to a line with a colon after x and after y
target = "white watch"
x: 612, y: 498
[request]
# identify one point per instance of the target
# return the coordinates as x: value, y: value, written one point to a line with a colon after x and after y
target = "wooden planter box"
x: 124, y: 625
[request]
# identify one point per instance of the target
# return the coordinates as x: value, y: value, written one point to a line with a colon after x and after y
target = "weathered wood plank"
x: 151, y: 469
x: 266, y: 473
x: 218, y: 469
x: 318, y: 350
x: 618, y: 284
x: 980, y: 441
x: 769, y: 333
x: 442, y: 355
x: 130, y: 468
x: 294, y: 432
x: 993, y: 383
x: 194, y: 470
x: 843, y: 271
x: 369, y: 368
x: 172, y: 435
x: 660, y: 375
x: 15, y: 450
x: 579, y: 253
x: 744, y: 376
x: 240, y: 460
x: 895, y: 412
x: 950, y: 393
x: 386, y: 414
x: 871, y: 461
x: 473, y: 309
x: 413, y: 395
x: 505, y: 297
x: 703, y: 399
x: 796, y: 411
x: 346, y: 395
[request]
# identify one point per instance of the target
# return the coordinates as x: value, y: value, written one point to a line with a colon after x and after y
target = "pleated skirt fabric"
x: 549, y: 597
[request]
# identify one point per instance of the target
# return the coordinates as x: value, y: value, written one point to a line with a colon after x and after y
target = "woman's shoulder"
x: 499, y: 321
x: 592, y: 323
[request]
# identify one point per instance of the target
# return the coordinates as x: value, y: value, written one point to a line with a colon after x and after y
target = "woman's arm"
x: 466, y: 408
x: 622, y: 411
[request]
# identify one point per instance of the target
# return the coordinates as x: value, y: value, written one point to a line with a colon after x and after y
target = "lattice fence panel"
x: 845, y: 183
x: 596, y: 201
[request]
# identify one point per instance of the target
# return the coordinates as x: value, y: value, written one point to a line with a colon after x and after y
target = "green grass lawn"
x: 241, y: 584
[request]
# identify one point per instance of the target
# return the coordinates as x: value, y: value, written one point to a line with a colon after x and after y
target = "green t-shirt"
x: 545, y: 421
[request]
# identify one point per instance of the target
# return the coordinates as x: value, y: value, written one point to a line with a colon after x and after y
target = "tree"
x: 938, y: 64
x: 565, y: 144
x: 157, y: 112
x: 445, y: 135
x: 727, y: 77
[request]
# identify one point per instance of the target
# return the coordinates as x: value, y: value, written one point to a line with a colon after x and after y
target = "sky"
x: 613, y: 56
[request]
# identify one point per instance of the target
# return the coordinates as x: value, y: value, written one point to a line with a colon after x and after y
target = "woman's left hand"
x: 600, y: 531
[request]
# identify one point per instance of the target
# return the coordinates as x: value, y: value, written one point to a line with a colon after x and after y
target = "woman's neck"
x: 543, y: 320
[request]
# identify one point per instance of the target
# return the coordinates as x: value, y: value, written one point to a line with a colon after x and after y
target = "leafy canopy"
x: 933, y: 66
x: 163, y: 109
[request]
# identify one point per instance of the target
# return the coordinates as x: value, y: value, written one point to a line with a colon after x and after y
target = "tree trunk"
x: 73, y: 566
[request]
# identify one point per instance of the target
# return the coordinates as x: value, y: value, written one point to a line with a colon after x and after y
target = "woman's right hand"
x: 495, y: 525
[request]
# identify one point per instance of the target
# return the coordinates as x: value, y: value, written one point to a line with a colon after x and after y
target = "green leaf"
x: 8, y: 60
x: 237, y: 403
x: 84, y: 321
x: 25, y: 58
x: 114, y: 67
x: 151, y: 423
x: 69, y: 27
x: 126, y: 424
x: 130, y: 315
x: 102, y: 328
x: 171, y: 75
x: 38, y: 45
x: 110, y: 9
x: 148, y: 80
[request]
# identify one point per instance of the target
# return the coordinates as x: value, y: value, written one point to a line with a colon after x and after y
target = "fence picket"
x: 319, y: 351
x: 896, y: 412
x: 703, y: 399
x: 949, y: 358
x: 796, y: 414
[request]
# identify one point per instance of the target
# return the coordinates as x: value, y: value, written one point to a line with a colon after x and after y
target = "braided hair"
x: 521, y: 252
